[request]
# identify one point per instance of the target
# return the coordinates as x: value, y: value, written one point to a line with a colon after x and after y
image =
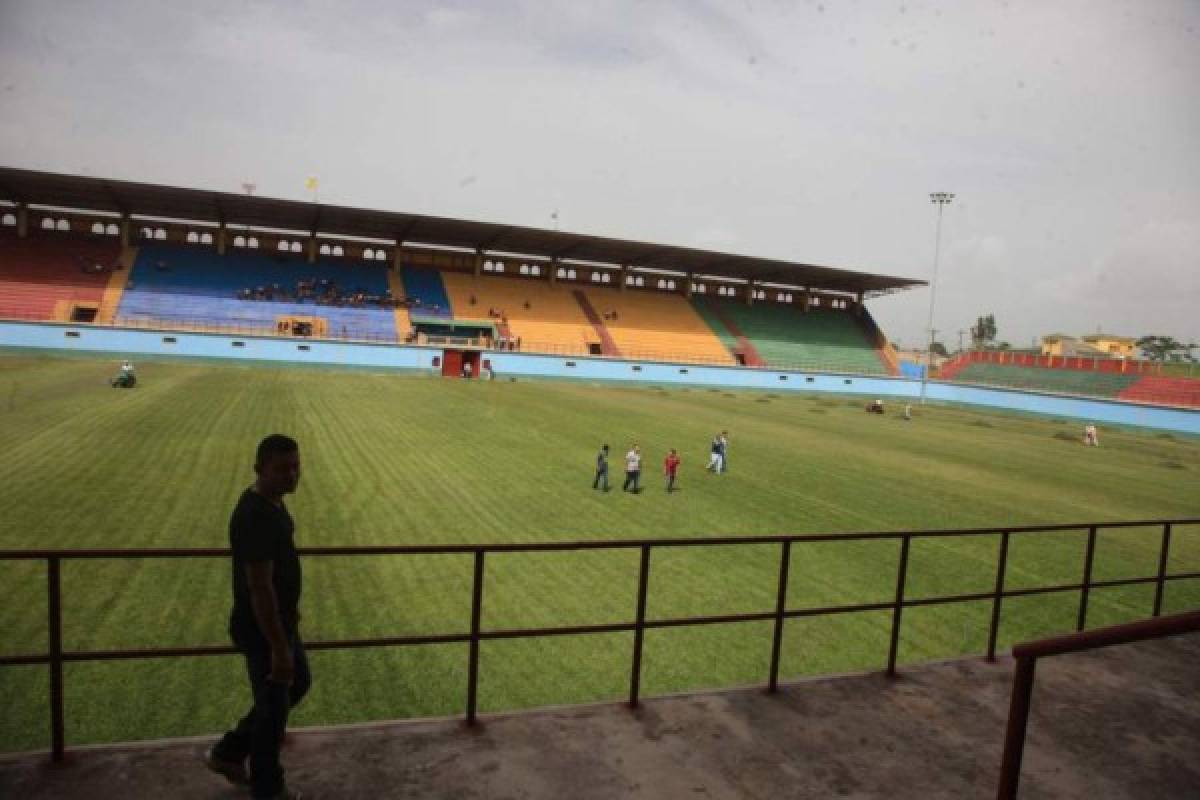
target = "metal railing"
x: 56, y: 657
x: 1026, y: 656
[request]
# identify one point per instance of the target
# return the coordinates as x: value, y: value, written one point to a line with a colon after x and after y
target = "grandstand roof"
x: 152, y: 200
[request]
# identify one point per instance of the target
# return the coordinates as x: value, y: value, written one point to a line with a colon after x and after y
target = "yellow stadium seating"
x: 553, y: 323
x: 658, y: 325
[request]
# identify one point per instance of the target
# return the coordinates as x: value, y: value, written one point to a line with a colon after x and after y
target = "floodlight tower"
x: 941, y: 200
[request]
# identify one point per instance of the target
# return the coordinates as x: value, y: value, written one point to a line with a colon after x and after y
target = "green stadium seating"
x: 1065, y: 381
x: 787, y: 338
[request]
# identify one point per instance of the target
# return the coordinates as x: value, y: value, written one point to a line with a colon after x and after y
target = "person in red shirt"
x: 671, y: 468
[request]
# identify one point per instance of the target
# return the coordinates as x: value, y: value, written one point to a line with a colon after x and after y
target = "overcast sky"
x: 810, y: 131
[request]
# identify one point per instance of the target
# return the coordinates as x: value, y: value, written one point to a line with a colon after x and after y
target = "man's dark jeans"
x: 258, y: 734
x: 631, y: 479
x: 601, y: 475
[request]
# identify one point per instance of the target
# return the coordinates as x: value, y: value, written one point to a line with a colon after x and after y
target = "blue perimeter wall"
x: 131, y: 343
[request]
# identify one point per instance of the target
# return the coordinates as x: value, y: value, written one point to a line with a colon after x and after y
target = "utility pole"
x: 941, y: 200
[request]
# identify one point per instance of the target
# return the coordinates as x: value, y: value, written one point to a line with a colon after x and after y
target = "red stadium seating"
x: 45, y: 275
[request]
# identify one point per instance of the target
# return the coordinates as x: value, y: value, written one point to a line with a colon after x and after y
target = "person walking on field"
x: 714, y: 455
x: 264, y: 622
x: 671, y: 469
x: 724, y: 466
x: 633, y: 469
x: 601, y: 469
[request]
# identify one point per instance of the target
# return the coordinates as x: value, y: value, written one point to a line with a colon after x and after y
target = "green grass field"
x: 393, y: 459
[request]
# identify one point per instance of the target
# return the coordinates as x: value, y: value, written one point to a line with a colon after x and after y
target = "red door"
x: 452, y: 361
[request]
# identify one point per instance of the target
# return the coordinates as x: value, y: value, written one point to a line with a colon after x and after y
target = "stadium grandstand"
x: 1096, y: 375
x: 89, y: 250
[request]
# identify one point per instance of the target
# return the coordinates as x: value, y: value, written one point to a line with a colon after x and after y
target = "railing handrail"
x: 1026, y: 655
x: 587, y: 544
x: 56, y: 655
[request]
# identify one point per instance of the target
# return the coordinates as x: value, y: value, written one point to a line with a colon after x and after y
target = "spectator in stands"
x: 1090, y: 437
x: 264, y: 622
x: 670, y: 469
x: 633, y: 469
x: 527, y: 306
x: 466, y: 369
x: 714, y: 455
x: 601, y: 469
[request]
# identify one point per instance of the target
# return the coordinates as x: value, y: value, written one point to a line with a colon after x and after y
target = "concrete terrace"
x: 1114, y: 723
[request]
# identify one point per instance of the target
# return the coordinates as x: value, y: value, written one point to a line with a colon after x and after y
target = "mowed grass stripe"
x: 394, y: 459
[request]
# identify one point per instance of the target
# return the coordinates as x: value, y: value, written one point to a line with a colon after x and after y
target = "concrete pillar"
x: 397, y: 257
x: 553, y: 271
x: 623, y: 274
x: 687, y: 285
x: 750, y: 293
x: 126, y: 224
x: 805, y: 298
x: 22, y: 220
x: 478, y: 262
x: 312, y: 248
x: 221, y: 239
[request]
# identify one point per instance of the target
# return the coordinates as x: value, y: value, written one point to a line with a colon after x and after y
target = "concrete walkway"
x: 1116, y: 723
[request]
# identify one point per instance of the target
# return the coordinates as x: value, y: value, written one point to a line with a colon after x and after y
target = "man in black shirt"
x: 264, y: 623
x: 601, y: 469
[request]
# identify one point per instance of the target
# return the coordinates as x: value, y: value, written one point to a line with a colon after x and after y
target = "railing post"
x: 473, y: 662
x: 1088, y: 559
x: 898, y: 605
x: 997, y: 597
x: 1014, y: 736
x: 54, y: 608
x: 1164, y: 555
x: 785, y: 558
x: 639, y: 628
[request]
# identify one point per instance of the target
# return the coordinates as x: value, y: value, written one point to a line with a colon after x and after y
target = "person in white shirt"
x: 1090, y: 437
x: 715, y: 455
x: 633, y: 469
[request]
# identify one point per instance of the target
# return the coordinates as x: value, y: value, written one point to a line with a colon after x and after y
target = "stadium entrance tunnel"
x: 460, y: 363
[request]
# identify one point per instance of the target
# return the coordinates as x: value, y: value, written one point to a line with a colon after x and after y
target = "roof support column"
x: 312, y: 247
x: 805, y: 301
x: 478, y: 262
x: 22, y: 220
x: 687, y: 285
x: 221, y: 236
x: 749, y: 293
x: 124, y: 229
x: 624, y: 277
x: 858, y: 304
x: 396, y: 255
x: 553, y: 270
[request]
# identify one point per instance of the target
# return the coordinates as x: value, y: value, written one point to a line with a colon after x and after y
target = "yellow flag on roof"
x: 310, y: 183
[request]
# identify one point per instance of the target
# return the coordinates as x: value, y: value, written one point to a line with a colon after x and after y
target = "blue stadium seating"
x: 426, y: 285
x: 189, y: 285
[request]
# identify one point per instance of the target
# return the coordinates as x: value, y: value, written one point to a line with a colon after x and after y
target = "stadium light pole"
x: 941, y: 200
